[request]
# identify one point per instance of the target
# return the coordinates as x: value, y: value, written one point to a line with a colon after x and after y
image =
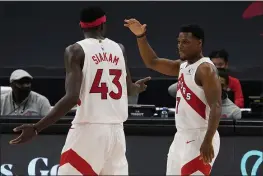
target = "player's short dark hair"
x: 222, y: 72
x: 219, y: 54
x: 196, y: 31
x: 91, y: 14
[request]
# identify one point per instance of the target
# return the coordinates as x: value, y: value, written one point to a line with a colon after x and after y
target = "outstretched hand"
x: 141, y: 84
x: 27, y: 133
x: 135, y: 26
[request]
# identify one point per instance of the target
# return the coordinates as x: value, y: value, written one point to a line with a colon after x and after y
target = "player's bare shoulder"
x: 207, y: 67
x: 74, y: 54
x: 204, y: 71
x: 75, y: 51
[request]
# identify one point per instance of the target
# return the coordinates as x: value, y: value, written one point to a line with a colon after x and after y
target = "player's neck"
x: 95, y: 35
x: 191, y: 61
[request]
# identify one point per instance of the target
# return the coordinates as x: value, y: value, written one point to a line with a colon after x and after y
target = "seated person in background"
x: 220, y: 59
x: 172, y: 90
x: 229, y: 109
x: 21, y: 100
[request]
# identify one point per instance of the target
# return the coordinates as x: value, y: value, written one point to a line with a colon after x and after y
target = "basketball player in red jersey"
x: 96, y: 79
x: 198, y: 106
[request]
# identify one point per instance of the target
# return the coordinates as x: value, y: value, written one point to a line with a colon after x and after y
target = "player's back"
x: 103, y: 94
x: 192, y: 109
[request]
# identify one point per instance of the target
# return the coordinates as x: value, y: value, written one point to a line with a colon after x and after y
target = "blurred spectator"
x: 229, y: 109
x: 220, y: 59
x: 172, y: 90
x: 21, y: 100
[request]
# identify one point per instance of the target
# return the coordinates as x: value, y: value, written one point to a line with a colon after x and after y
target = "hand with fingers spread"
x: 28, y: 132
x: 135, y: 26
x: 141, y: 84
x: 207, y: 152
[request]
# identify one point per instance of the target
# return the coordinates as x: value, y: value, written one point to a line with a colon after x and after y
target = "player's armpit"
x: 207, y: 77
x: 74, y: 59
x: 152, y: 61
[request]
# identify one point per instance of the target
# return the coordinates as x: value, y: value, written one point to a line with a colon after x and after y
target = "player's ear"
x: 200, y: 43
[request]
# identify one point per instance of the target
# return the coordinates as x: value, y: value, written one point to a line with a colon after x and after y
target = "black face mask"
x: 22, y: 90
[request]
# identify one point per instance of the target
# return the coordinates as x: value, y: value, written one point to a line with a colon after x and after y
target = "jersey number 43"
x: 102, y: 88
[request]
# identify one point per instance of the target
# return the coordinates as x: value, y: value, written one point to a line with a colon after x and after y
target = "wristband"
x: 142, y: 35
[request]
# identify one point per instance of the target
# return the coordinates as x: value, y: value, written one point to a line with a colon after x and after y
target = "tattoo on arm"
x: 74, y: 59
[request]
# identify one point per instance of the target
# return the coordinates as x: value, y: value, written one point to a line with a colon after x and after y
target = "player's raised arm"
x: 74, y: 59
x: 137, y: 87
x: 207, y: 75
x: 150, y: 58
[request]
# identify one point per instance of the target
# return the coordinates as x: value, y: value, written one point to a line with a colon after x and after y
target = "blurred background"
x: 38, y: 32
